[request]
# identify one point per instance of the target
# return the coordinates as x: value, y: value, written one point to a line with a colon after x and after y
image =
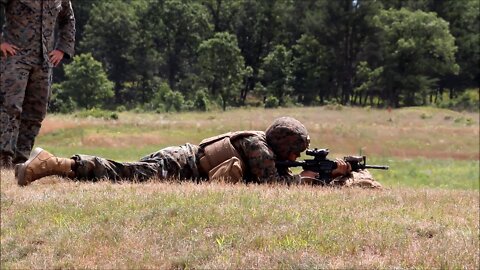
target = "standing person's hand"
x: 55, y: 57
x: 8, y: 48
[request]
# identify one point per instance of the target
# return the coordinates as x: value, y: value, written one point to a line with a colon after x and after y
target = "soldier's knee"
x: 33, y: 118
x: 34, y: 115
x: 13, y: 110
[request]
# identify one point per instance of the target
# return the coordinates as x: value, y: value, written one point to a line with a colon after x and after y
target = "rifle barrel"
x: 378, y: 167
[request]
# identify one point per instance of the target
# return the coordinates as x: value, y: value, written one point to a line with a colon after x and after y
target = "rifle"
x: 324, y: 166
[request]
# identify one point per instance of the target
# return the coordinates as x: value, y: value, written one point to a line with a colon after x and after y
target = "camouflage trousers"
x: 176, y: 162
x: 24, y: 94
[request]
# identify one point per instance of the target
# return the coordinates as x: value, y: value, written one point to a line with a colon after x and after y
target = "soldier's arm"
x: 66, y: 27
x: 268, y: 173
x: 261, y: 163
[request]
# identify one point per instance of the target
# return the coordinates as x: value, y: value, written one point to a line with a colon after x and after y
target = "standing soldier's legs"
x: 13, y: 82
x: 34, y: 110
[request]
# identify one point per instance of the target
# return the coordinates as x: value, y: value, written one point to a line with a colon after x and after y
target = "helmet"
x: 287, y: 135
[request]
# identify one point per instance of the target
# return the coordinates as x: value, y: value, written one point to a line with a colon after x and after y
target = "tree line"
x: 197, y: 54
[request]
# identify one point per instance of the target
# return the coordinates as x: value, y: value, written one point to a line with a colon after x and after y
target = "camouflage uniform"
x: 362, y: 178
x: 258, y: 151
x: 172, y: 162
x: 181, y: 162
x: 26, y: 77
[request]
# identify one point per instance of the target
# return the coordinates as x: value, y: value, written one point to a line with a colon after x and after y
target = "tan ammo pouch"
x: 218, y: 161
x: 230, y: 171
x: 221, y: 159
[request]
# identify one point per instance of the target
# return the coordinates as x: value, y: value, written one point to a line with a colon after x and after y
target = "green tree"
x: 463, y: 17
x: 87, y: 83
x: 257, y: 27
x: 341, y: 26
x: 275, y: 73
x: 417, y: 49
x: 112, y: 35
x: 222, y: 13
x: 367, y: 83
x: 221, y: 67
x: 61, y: 102
x: 311, y: 70
x: 291, y: 19
x: 82, y: 14
x: 174, y: 29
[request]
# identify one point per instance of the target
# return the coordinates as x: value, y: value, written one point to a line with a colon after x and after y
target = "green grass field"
x: 426, y: 218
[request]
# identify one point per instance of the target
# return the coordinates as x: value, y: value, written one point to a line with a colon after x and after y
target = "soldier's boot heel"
x: 40, y: 164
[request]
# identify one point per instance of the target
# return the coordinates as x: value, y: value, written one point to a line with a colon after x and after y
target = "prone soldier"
x: 242, y: 156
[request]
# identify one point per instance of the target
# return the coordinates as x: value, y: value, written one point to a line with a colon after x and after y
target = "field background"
x: 427, y: 217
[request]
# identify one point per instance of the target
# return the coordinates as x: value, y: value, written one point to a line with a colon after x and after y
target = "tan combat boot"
x: 40, y: 164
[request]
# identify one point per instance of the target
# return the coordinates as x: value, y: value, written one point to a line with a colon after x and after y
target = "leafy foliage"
x: 417, y: 49
x: 113, y: 31
x: 271, y: 102
x: 87, y: 83
x: 377, y: 53
x: 222, y: 66
x: 468, y: 100
x: 276, y: 72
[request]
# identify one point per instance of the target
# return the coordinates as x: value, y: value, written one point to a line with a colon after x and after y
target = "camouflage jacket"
x: 260, y: 161
x: 30, y: 25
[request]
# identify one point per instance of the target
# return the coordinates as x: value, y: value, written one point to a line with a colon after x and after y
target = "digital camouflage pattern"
x: 362, y: 178
x: 287, y: 135
x: 30, y: 25
x: 176, y: 162
x: 21, y: 124
x: 26, y: 77
x: 260, y: 158
x: 182, y: 163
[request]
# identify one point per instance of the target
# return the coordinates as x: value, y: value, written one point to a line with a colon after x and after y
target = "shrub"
x: 188, y: 106
x: 201, y: 101
x: 61, y: 102
x: 87, y: 83
x: 174, y: 99
x: 271, y: 102
x: 468, y: 100
x: 121, y: 108
x: 333, y: 106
